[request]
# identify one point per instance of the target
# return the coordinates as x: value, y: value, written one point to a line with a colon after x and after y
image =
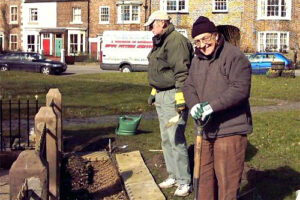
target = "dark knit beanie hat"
x: 203, y: 25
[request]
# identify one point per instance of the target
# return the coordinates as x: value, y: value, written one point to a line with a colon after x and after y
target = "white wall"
x: 47, y: 15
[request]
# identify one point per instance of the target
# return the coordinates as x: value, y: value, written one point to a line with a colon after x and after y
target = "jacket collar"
x: 215, y: 54
x: 159, y: 39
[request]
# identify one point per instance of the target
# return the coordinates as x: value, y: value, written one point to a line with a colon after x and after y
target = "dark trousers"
x: 222, y: 164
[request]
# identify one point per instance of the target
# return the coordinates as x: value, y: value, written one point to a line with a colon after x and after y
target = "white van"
x: 126, y: 51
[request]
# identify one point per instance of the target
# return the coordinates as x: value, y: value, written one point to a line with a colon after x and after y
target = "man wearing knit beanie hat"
x: 217, y: 93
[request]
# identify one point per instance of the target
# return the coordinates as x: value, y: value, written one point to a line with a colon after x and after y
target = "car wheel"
x: 126, y: 69
x: 3, y: 68
x: 45, y: 70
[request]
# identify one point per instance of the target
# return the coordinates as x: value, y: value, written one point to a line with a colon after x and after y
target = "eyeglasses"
x: 204, y: 40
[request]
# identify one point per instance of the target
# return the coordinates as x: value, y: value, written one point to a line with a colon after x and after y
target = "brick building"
x: 10, y: 25
x: 115, y: 15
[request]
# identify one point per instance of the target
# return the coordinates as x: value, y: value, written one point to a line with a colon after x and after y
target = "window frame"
x: 219, y: 10
x: 79, y: 45
x: 262, y: 37
x: 262, y: 10
x: 31, y: 16
x: 11, y: 14
x: 2, y: 39
x: 164, y: 6
x: 130, y: 21
x: 10, y: 42
x: 75, y: 15
x: 100, y: 14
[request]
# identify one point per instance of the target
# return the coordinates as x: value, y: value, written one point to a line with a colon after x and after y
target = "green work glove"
x: 151, y: 98
x: 179, y: 101
x: 201, y: 111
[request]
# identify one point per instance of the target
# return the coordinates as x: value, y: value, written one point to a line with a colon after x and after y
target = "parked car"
x: 262, y: 62
x: 29, y: 61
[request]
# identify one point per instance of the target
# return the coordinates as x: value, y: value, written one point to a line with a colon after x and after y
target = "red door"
x: 46, y: 45
x: 94, y: 49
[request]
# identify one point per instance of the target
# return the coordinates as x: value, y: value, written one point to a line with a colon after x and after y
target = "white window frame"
x: 10, y: 42
x: 2, y: 37
x: 164, y: 6
x: 29, y: 45
x: 216, y: 10
x: 11, y: 21
x: 33, y: 12
x: 262, y: 10
x: 130, y: 21
x: 262, y: 38
x: 79, y: 42
x: 104, y: 14
x: 76, y: 17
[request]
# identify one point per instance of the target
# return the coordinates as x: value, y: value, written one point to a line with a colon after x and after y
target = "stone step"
x: 137, y: 178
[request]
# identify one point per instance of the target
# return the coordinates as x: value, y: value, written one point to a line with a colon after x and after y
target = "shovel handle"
x: 197, y: 161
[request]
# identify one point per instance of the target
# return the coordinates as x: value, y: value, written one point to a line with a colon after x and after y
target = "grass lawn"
x: 273, y: 150
x: 120, y: 93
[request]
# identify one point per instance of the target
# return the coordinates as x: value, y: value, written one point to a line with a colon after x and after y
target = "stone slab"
x: 137, y: 178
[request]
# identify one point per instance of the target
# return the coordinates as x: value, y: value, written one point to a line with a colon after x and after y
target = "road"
x: 85, y: 68
x: 92, y: 68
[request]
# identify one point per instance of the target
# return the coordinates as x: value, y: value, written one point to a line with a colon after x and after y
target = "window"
x: 273, y: 41
x: 274, y: 9
x: 174, y: 5
x: 77, y: 15
x: 81, y: 42
x: 73, y: 43
x: 104, y: 15
x: 129, y: 14
x: 220, y: 5
x: 13, y: 14
x: 1, y: 42
x: 13, y: 42
x: 31, y: 43
x: 33, y: 14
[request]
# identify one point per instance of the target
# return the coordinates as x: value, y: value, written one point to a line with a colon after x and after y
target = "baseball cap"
x: 157, y: 15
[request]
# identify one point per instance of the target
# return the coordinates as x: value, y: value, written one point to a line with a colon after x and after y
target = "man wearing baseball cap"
x: 217, y: 91
x: 169, y: 61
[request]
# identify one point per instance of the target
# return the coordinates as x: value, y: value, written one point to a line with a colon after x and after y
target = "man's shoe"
x: 183, y: 190
x: 168, y: 183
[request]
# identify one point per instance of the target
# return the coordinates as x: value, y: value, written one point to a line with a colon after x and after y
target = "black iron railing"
x: 16, y: 116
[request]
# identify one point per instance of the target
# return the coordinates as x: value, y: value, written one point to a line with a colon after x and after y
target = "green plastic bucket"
x: 128, y: 125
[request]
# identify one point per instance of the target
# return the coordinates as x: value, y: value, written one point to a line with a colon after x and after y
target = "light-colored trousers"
x: 173, y: 139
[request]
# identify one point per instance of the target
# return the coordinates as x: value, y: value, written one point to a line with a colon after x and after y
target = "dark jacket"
x: 223, y: 80
x: 169, y: 60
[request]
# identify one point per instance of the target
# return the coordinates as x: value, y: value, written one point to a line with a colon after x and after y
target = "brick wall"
x: 5, y: 27
x: 65, y: 13
x: 97, y: 29
x: 251, y: 26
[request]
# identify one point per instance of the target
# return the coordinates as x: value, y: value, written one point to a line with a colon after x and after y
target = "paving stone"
x: 137, y: 178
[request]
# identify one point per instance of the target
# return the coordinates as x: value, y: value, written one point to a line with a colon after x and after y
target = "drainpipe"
x: 146, y: 8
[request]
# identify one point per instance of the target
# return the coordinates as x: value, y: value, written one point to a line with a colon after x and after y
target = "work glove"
x: 201, y: 110
x: 179, y: 101
x: 151, y: 98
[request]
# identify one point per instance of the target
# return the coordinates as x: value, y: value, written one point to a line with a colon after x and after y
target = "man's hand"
x: 179, y: 101
x: 201, y: 110
x: 151, y: 98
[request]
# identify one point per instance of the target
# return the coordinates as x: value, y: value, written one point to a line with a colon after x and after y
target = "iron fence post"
x: 10, y: 134
x: 19, y: 115
x: 1, y: 123
x: 27, y: 120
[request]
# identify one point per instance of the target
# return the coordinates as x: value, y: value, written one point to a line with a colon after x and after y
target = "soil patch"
x: 83, y: 180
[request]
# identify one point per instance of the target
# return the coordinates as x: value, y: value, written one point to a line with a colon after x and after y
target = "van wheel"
x: 126, y: 69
